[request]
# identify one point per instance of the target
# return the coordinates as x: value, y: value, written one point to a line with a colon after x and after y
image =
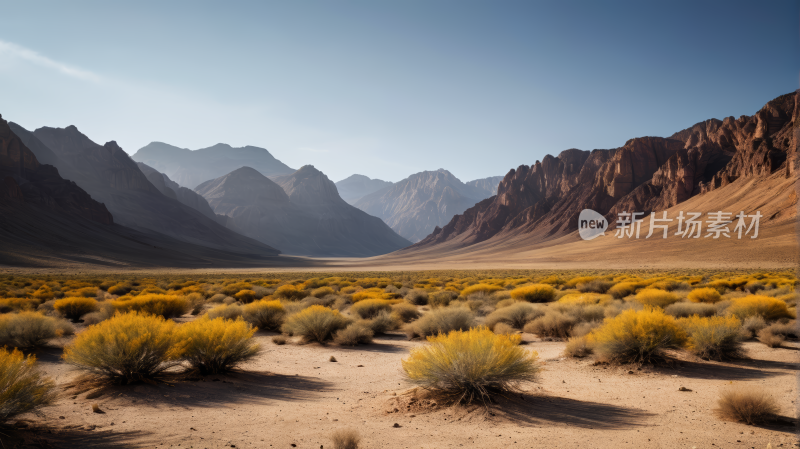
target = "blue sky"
x: 390, y: 88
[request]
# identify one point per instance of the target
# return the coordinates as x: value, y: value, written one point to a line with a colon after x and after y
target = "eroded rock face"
x: 646, y: 174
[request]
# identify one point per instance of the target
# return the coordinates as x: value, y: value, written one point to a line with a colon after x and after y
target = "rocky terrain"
x: 646, y: 174
x: 418, y: 204
x: 189, y: 168
x: 171, y: 189
x: 300, y: 214
x: 355, y: 187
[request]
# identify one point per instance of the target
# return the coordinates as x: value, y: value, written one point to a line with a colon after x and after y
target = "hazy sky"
x: 390, y: 88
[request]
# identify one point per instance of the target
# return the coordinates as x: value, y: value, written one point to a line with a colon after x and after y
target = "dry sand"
x: 293, y: 396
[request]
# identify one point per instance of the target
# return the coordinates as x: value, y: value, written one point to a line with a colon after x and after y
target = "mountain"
x: 416, y: 205
x: 110, y: 176
x: 171, y: 189
x: 300, y: 214
x: 486, y: 185
x: 540, y: 203
x: 48, y: 221
x: 190, y: 168
x: 357, y: 186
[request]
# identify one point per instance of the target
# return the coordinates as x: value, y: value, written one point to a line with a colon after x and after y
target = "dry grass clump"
x: 441, y: 321
x: 595, y: 286
x: 770, y: 338
x: 473, y: 364
x: 709, y: 295
x: 404, y: 312
x: 346, y: 439
x: 418, y: 297
x: 534, y: 293
x: 289, y: 292
x: 578, y: 347
x: 442, y: 298
x: 265, y: 315
x: 215, y: 346
x: 656, y: 297
x: 126, y: 348
x: 637, y: 336
x: 622, y: 289
x: 752, y: 325
x: 369, y: 308
x: 316, y: 323
x: 29, y: 330
x: 687, y: 309
x: 358, y: 333
x: 552, y: 324
x: 167, y: 306
x: 748, y: 404
x: 226, y: 311
x: 382, y: 323
x: 516, y: 315
x: 764, y: 306
x: 245, y: 296
x: 322, y: 292
x: 480, y: 288
x: 75, y: 307
x: 715, y: 338
x: 23, y: 389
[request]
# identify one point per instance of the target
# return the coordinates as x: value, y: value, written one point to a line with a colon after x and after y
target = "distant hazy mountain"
x: 416, y: 205
x: 186, y: 196
x: 111, y: 177
x: 300, y: 214
x: 189, y: 168
x: 487, y: 185
x: 357, y: 186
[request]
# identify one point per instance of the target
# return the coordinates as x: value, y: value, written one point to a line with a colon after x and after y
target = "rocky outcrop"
x: 355, y: 187
x: 301, y: 214
x: 189, y: 168
x: 414, y: 206
x: 646, y: 174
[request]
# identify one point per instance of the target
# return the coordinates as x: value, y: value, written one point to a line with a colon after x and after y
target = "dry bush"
x: 595, y: 286
x: 405, y: 312
x: 551, y: 324
x: 106, y: 311
x: 217, y: 298
x: 279, y: 340
x: 473, y: 364
x: 418, y: 297
x: 656, y: 297
x: 441, y: 321
x: 126, y: 348
x: 506, y: 302
x: 769, y: 338
x: 534, y: 293
x: 382, y: 323
x: 754, y: 286
x: 289, y: 292
x: 572, y: 283
x: 482, y: 288
x: 228, y: 312
x: 8, y: 305
x: 265, y: 315
x: 709, y: 295
x: 316, y: 323
x: 245, y: 296
x: 23, y: 389
x: 75, y: 307
x: 637, y: 336
x: 748, y: 404
x: 515, y: 315
x: 785, y: 328
x: 369, y: 308
x: 753, y: 324
x: 215, y: 346
x: 504, y: 329
x: 322, y: 292
x: 687, y: 309
x: 578, y: 347
x: 764, y: 306
x: 167, y: 306
x: 120, y: 289
x: 358, y: 333
x: 442, y: 298
x: 622, y: 289
x: 715, y: 338
x: 346, y: 439
x: 584, y: 299
x: 29, y: 330
x: 325, y: 301
x: 584, y: 328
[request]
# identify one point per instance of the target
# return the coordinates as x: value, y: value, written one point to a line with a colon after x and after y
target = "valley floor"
x: 293, y: 396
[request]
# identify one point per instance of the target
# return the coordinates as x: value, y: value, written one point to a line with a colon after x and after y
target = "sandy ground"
x: 293, y: 396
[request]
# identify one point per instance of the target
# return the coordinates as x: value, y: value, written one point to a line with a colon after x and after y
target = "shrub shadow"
x: 537, y: 409
x: 695, y: 370
x: 769, y: 364
x: 374, y: 347
x: 78, y: 438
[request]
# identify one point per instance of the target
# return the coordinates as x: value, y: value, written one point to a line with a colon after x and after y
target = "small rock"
x: 332, y: 359
x: 683, y: 389
x: 630, y: 372
x: 96, y: 408
x: 61, y: 417
x: 360, y: 366
x: 396, y: 425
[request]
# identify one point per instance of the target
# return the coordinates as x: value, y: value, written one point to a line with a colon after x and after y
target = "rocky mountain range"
x: 189, y: 168
x: 355, y: 187
x: 416, y: 205
x: 646, y: 174
x: 301, y: 214
x: 171, y: 189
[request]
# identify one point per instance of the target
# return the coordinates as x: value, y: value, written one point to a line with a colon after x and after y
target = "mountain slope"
x: 190, y: 168
x: 186, y: 196
x: 300, y: 214
x: 486, y: 185
x: 416, y: 205
x: 355, y: 187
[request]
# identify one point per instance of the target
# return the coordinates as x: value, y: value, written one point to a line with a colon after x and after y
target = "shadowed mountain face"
x: 190, y: 168
x: 300, y: 214
x: 646, y: 174
x: 416, y: 205
x: 355, y: 187
x: 171, y: 189
x: 110, y: 176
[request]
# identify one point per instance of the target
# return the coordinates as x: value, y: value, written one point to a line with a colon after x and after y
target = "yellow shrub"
x: 656, y: 297
x: 584, y: 298
x: 15, y: 304
x: 637, y: 336
x: 369, y: 308
x: 572, y: 283
x: 28, y: 330
x: 322, y: 291
x: 23, y: 389
x: 471, y: 364
x: 44, y: 293
x: 86, y: 292
x: 265, y: 315
x: 315, y: 323
x: 623, y: 289
x: 715, y: 338
x: 480, y: 288
x: 215, y: 346
x: 245, y: 296
x: 168, y: 306
x: 289, y: 292
x: 710, y: 295
x: 119, y: 289
x: 534, y: 293
x: 76, y: 307
x: 125, y: 348
x: 764, y: 306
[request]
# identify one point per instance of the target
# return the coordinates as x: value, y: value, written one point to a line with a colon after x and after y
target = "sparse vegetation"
x: 637, y: 336
x: 75, y: 307
x: 656, y: 297
x: 715, y: 338
x: 316, y: 323
x: 748, y: 404
x: 167, y: 306
x: 28, y: 330
x: 23, y: 389
x: 346, y: 439
x: 265, y: 315
x: 369, y: 308
x: 441, y: 321
x: 215, y: 346
x: 534, y: 293
x: 708, y: 295
x: 358, y: 333
x: 759, y: 305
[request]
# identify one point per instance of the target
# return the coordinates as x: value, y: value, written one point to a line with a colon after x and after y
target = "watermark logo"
x: 591, y: 224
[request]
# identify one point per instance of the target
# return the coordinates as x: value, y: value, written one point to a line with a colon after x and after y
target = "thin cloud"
x: 11, y: 50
